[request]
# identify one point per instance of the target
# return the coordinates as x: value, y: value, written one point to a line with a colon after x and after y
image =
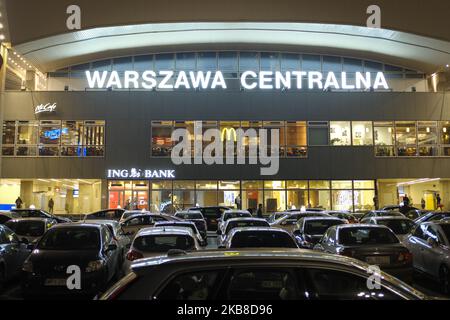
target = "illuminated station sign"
x: 266, y: 80
x: 135, y: 173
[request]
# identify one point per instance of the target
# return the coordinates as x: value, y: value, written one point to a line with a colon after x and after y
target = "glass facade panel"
x: 364, y: 184
x: 319, y: 184
x: 364, y: 200
x: 248, y: 61
x: 384, y: 137
x: 161, y: 138
x: 319, y: 199
x: 297, y: 199
x: 406, y: 138
x: 207, y: 61
x: 340, y: 133
x: 427, y: 136
x: 274, y: 200
x: 342, y: 200
x: 297, y: 184
x: 341, y: 184
x: 251, y: 199
x: 274, y: 184
x: 362, y: 133
x: 27, y: 132
x: 212, y: 185
x: 296, y: 139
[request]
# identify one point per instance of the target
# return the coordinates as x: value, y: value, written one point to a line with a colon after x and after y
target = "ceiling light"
x: 2, y: 37
x: 1, y: 25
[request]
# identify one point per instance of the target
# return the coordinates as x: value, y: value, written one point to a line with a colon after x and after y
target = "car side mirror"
x: 432, y: 242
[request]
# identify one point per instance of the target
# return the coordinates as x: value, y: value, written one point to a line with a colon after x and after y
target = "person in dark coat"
x: 259, y: 212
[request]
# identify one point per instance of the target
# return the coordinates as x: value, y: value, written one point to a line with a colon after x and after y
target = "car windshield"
x: 189, y: 215
x: 30, y: 213
x: 27, y: 228
x: 390, y: 214
x: 397, y: 226
x: 367, y: 235
x: 182, y: 225
x: 163, y: 243
x: 229, y: 215
x: 446, y: 229
x: 320, y: 226
x: 250, y: 223
x: 74, y: 238
x: 262, y: 239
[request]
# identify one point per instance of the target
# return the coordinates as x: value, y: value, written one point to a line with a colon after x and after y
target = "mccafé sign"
x: 270, y: 80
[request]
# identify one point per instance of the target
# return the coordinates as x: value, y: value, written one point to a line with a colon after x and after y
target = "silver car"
x: 150, y: 242
x: 13, y: 253
x: 429, y: 243
x: 134, y: 223
x: 239, y: 223
x: 229, y: 214
x: 400, y: 226
x: 30, y: 230
x: 289, y: 221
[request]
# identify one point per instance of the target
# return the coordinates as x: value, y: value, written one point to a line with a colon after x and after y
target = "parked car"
x: 402, y: 209
x: 239, y: 223
x: 211, y: 214
x: 128, y: 213
x: 229, y: 214
x: 184, y: 224
x: 429, y: 243
x: 289, y: 222
x: 134, y: 223
x: 30, y: 230
x: 90, y: 247
x: 13, y: 253
x: 37, y: 213
x: 400, y: 226
x: 5, y: 216
x: 415, y: 213
x: 310, y: 230
x: 259, y: 237
x: 274, y: 216
x: 432, y: 216
x: 380, y: 213
x: 155, y: 241
x: 198, y: 219
x: 374, y: 244
x: 256, y: 274
x: 109, y: 214
x: 123, y: 241
x: 350, y: 218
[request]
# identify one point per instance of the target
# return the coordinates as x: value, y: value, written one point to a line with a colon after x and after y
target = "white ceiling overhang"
x: 408, y: 50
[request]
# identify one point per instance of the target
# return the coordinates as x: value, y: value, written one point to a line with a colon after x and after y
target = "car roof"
x: 174, y: 222
x: 189, y: 211
x: 145, y: 215
x: 320, y: 218
x: 360, y: 225
x: 100, y: 221
x: 245, y: 219
x: 165, y: 230
x: 236, y: 211
x: 77, y: 225
x: 390, y: 218
x: 45, y: 220
x: 438, y: 222
x: 265, y: 229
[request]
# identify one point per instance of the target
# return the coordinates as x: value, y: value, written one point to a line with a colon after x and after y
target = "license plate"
x: 378, y: 260
x: 55, y: 282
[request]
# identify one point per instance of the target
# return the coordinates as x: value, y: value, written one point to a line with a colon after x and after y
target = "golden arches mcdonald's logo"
x: 228, y: 133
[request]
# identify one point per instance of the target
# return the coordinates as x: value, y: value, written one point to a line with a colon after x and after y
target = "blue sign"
x: 55, y: 134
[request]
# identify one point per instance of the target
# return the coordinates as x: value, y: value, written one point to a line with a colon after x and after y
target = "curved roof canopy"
x: 393, y: 47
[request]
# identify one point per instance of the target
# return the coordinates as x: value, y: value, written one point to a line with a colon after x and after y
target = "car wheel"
x: 444, y: 277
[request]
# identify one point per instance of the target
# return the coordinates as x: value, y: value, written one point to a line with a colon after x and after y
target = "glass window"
x: 161, y: 184
x: 229, y: 185
x: 370, y: 66
x: 161, y: 201
x: 362, y: 133
x: 248, y: 61
x: 251, y: 199
x: 207, y: 61
x: 297, y: 199
x: 318, y: 133
x: 342, y: 200
x: 9, y: 132
x: 364, y: 199
x: 427, y: 138
x: 296, y: 139
x: 319, y: 184
x: 50, y: 132
x: 212, y: 185
x: 252, y: 184
x: 406, y: 139
x: 333, y: 64
x: 270, y: 61
x: 142, y: 63
x: 290, y: 62
x: 340, y: 133
x: 191, y: 286
x: 123, y: 64
x: 384, y: 135
x: 161, y: 138
x: 444, y: 135
x: 364, y: 184
x: 103, y: 65
x: 297, y: 184
x: 274, y: 200
x: 186, y: 61
x: 311, y: 63
x: 27, y: 132
x: 341, y: 184
x: 319, y: 199
x: 228, y: 61
x: 206, y: 197
x: 352, y: 65
x: 164, y: 61
x: 274, y: 184
x: 94, y: 138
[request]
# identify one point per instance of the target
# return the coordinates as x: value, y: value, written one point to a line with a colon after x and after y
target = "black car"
x: 432, y: 216
x: 311, y: 229
x: 212, y: 215
x: 373, y: 244
x: 402, y: 209
x: 4, y: 217
x: 90, y: 248
x: 197, y: 218
x: 37, y: 213
x: 380, y: 213
x: 108, y: 214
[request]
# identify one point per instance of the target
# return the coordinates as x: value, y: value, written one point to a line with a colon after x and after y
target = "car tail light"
x: 405, y: 257
x: 134, y: 255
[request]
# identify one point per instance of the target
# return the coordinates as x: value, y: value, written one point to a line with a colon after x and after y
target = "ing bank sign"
x: 135, y: 173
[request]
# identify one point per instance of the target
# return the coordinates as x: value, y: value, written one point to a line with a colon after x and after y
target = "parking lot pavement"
x: 421, y: 282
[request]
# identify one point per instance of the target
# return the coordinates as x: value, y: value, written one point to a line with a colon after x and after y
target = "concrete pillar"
x: 26, y: 193
x: 31, y: 81
x: 4, y: 54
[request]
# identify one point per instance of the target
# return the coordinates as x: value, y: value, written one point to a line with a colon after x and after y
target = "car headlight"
x: 27, y: 266
x: 95, y: 265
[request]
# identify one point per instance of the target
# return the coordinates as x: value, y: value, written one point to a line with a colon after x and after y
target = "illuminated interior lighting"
x: 428, y: 130
x: 408, y: 130
x: 1, y: 25
x: 2, y: 37
x: 444, y: 129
